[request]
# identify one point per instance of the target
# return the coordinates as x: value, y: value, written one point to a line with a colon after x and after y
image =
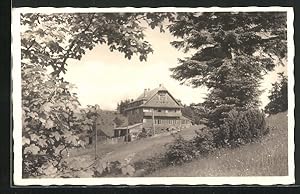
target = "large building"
x: 153, y: 111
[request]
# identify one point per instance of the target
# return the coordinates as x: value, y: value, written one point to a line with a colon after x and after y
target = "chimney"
x: 145, y: 91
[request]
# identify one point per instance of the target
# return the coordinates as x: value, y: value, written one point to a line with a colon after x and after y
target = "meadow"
x: 268, y: 157
x: 265, y: 157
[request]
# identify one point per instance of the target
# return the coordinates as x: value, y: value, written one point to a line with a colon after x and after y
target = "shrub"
x: 204, y: 141
x: 144, y: 134
x: 150, y: 165
x: 180, y: 151
x: 241, y: 127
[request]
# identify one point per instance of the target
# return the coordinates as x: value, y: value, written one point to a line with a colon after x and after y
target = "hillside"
x: 106, y: 121
x: 142, y: 149
x: 266, y: 158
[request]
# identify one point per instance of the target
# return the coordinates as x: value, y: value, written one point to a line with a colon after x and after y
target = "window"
x: 162, y: 97
x: 158, y: 110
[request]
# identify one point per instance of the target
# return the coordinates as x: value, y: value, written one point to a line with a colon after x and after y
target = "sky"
x: 105, y: 78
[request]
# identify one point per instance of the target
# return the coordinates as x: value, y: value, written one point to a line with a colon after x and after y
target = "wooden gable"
x: 162, y: 99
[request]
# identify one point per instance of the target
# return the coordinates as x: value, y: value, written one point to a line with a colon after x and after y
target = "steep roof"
x: 148, y: 95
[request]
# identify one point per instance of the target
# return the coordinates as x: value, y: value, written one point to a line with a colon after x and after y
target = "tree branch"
x: 66, y: 56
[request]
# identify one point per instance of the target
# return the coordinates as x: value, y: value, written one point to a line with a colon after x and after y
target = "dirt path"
x: 145, y: 148
x: 140, y: 149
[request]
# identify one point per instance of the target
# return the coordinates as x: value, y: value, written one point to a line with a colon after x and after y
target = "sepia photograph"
x: 153, y: 96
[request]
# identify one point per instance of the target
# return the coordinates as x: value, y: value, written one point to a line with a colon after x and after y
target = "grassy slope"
x: 266, y: 158
x: 142, y: 149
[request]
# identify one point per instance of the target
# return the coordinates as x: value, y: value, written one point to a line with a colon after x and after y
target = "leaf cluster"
x: 52, y: 39
x: 52, y: 121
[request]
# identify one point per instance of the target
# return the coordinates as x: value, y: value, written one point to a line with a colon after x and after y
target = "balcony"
x: 163, y: 114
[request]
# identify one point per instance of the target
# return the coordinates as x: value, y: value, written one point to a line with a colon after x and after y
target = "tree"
x: 118, y: 121
x: 52, y: 39
x: 278, y: 96
x: 232, y: 51
x: 123, y: 105
x: 52, y: 122
x: 195, y: 112
x: 91, y: 114
x: 52, y: 118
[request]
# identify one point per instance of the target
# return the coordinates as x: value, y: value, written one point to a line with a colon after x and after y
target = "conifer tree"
x: 231, y: 53
x: 278, y: 96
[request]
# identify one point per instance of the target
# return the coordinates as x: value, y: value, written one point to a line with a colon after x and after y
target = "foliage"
x: 122, y: 106
x: 204, y: 141
x: 279, y: 96
x: 52, y: 39
x: 89, y: 118
x: 241, y: 127
x: 115, y: 168
x: 231, y: 53
x: 238, y: 88
x: 266, y: 158
x: 180, y: 151
x: 189, y: 112
x: 229, y: 61
x: 118, y: 121
x: 149, y: 165
x: 52, y: 119
x: 196, y: 112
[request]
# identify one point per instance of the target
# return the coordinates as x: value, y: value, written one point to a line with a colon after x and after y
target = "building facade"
x: 156, y: 111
